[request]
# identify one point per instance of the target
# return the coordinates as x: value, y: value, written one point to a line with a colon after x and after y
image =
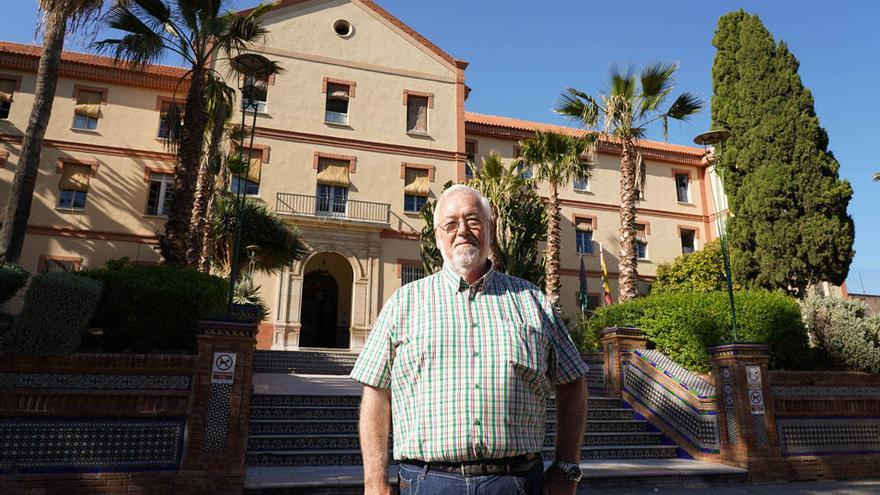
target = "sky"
x: 524, y: 54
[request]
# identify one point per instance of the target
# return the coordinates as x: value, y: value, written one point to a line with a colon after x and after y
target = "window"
x: 254, y: 94
x: 470, y: 148
x: 167, y: 113
x: 74, y: 186
x: 52, y: 264
x: 584, y: 235
x: 687, y: 241
x: 87, y: 110
x: 415, y: 190
x: 682, y: 188
x: 336, y: 110
x: 641, y: 242
x: 581, y: 185
x: 417, y: 114
x: 249, y: 183
x: 7, y: 90
x: 160, y: 193
x: 411, y: 273
x: 592, y: 302
x: 333, y: 182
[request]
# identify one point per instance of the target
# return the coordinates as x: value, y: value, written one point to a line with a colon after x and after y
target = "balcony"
x: 332, y: 207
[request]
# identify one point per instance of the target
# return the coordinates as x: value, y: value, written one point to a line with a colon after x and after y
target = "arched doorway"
x: 326, y: 302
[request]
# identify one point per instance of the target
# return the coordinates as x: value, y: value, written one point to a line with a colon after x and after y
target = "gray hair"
x: 485, y: 206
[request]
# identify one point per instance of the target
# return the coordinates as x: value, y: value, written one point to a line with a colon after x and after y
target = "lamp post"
x: 252, y: 72
x: 712, y: 141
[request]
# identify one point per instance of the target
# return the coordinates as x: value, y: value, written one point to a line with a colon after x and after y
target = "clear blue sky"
x: 523, y: 54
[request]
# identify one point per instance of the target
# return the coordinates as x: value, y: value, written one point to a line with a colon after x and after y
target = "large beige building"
x: 366, y: 123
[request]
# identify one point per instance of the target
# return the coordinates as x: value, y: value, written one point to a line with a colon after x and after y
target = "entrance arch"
x: 325, y: 311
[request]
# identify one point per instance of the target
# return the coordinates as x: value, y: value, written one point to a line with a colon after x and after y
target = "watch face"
x: 571, y: 471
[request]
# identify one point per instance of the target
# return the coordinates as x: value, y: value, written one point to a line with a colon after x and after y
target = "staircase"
x: 314, y: 361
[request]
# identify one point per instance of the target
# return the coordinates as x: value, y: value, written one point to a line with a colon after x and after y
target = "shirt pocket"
x: 526, y: 349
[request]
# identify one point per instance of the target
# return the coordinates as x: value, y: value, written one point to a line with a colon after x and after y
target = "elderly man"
x: 467, y: 359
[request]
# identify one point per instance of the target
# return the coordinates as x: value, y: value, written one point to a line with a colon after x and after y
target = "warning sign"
x: 753, y: 377
x: 756, y: 401
x: 223, y: 369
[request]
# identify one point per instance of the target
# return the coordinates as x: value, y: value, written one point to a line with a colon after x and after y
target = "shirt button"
x: 477, y: 386
x: 477, y: 422
x: 476, y: 353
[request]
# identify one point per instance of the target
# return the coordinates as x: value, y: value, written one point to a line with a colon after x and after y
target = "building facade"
x: 366, y: 123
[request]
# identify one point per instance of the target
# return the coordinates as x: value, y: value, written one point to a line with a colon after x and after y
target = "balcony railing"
x: 332, y: 207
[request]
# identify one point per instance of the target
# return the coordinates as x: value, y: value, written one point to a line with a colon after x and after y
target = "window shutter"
x: 416, y: 182
x: 88, y: 104
x: 640, y: 234
x: 584, y: 224
x: 337, y: 91
x: 7, y: 89
x: 255, y: 169
x: 333, y: 172
x: 75, y: 178
x: 417, y: 113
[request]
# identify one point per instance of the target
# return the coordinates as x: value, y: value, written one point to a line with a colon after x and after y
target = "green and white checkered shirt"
x: 470, y: 367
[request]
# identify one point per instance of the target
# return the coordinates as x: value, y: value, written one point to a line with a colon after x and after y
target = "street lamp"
x: 713, y: 142
x: 253, y: 72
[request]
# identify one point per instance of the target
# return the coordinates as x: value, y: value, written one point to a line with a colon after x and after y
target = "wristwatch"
x: 571, y: 470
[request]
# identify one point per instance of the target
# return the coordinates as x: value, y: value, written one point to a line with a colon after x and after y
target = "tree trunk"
x: 553, y: 234
x: 189, y: 153
x: 206, y: 192
x: 21, y: 193
x: 628, y: 263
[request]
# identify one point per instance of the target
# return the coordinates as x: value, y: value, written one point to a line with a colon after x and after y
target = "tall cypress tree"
x: 790, y: 227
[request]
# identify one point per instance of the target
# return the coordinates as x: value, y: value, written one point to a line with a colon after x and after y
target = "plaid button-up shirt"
x: 470, y: 367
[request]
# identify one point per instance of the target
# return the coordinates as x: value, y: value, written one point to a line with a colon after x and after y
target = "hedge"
x: 55, y: 317
x: 12, y: 278
x: 683, y: 325
x: 843, y: 331
x: 154, y: 308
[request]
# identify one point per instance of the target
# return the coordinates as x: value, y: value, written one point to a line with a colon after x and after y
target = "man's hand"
x: 374, y: 428
x: 555, y: 483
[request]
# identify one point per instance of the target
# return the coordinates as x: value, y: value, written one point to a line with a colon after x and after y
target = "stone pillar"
x: 617, y: 342
x: 217, y: 424
x: 746, y: 415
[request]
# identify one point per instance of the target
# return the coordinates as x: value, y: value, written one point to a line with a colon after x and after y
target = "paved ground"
x: 808, y: 488
x: 290, y: 384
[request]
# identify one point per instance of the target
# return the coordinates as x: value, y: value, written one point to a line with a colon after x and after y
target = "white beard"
x: 465, y: 257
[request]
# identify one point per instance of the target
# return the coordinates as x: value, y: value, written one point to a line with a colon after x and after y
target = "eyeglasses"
x: 471, y: 223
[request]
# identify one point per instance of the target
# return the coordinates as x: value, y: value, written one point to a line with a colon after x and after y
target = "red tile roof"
x: 516, y: 129
x: 25, y: 58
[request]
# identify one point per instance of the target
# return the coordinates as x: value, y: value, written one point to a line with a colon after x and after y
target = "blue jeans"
x: 416, y: 480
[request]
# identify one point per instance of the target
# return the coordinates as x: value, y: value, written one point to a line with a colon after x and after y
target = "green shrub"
x: 155, y: 308
x: 12, y: 278
x: 588, y: 331
x: 700, y: 271
x: 683, y: 325
x: 843, y: 332
x: 55, y: 317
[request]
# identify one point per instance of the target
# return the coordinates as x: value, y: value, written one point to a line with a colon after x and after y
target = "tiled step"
x: 352, y: 412
x: 329, y: 426
x: 347, y: 457
x: 310, y: 362
x: 354, y: 400
x: 297, y: 442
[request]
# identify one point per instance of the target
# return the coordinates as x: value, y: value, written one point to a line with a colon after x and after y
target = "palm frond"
x: 684, y: 106
x: 657, y: 82
x: 242, y: 32
x: 142, y: 43
x: 623, y: 84
x: 578, y: 106
x: 557, y: 158
x: 876, y: 176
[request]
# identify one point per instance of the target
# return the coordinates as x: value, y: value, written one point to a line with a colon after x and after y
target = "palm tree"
x: 59, y: 17
x: 520, y: 218
x: 556, y: 159
x: 632, y: 103
x: 274, y: 242
x: 201, y: 35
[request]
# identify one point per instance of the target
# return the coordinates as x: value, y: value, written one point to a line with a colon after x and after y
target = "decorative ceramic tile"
x: 217, y: 422
x: 89, y: 445
x: 759, y: 426
x: 728, y: 399
x: 94, y: 382
x: 689, y: 380
x: 700, y: 429
x: 816, y: 436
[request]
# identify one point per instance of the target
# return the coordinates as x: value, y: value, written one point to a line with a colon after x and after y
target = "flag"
x: 606, y: 289
x: 582, y: 295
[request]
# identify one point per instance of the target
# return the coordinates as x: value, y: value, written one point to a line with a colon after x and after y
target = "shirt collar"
x: 458, y: 284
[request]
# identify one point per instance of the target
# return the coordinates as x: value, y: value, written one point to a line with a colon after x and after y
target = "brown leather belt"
x: 483, y: 467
